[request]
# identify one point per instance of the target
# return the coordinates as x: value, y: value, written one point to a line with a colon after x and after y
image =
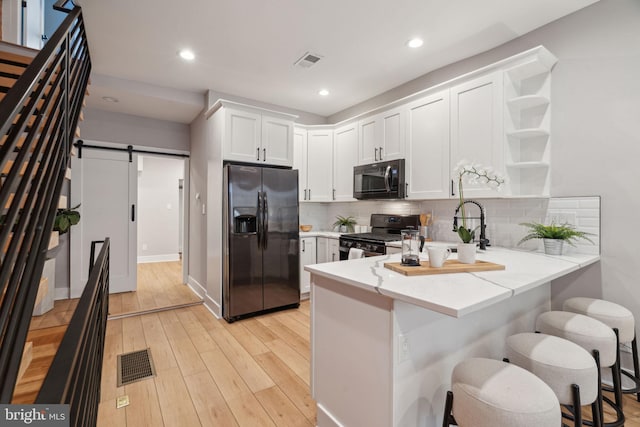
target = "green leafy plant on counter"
x: 345, y: 221
x: 65, y: 218
x: 565, y: 232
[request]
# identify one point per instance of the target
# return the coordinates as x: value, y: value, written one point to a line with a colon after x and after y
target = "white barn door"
x: 105, y: 184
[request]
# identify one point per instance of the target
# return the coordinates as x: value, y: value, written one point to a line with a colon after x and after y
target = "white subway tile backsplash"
x: 503, y: 217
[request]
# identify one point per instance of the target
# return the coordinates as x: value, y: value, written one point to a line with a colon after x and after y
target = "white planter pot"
x: 553, y: 246
x: 467, y: 253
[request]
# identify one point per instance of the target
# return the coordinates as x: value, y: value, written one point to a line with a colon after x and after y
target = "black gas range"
x: 384, y: 228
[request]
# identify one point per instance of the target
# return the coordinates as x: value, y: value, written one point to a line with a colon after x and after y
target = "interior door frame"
x: 185, y: 201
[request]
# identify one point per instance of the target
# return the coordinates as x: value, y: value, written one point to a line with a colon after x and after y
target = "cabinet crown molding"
x: 258, y: 110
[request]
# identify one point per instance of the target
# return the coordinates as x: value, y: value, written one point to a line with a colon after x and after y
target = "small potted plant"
x: 344, y: 224
x: 554, y: 235
x: 65, y: 218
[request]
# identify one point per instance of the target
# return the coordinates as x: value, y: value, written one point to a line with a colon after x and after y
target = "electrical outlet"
x: 403, y: 348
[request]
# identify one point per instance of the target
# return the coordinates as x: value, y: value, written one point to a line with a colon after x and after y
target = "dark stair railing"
x: 38, y: 118
x: 75, y: 374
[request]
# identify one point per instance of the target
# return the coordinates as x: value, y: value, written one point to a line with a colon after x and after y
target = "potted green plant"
x: 65, y: 218
x: 554, y: 235
x: 344, y: 223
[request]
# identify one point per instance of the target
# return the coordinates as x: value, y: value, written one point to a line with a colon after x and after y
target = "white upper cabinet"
x: 277, y: 141
x: 381, y: 137
x: 319, y: 165
x: 427, y: 165
x: 253, y: 136
x: 477, y: 128
x: 300, y: 160
x: 242, y: 136
x: 345, y: 157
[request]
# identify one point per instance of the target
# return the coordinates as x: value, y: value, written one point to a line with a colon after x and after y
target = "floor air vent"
x: 135, y: 366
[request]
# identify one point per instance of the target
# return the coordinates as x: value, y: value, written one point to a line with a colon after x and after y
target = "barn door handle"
x: 133, y: 213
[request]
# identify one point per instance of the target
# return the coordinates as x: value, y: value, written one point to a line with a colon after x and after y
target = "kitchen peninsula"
x: 384, y: 344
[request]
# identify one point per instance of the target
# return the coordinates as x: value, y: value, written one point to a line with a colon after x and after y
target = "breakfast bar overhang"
x: 383, y: 345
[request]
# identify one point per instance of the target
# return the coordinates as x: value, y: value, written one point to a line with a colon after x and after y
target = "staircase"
x: 41, y: 97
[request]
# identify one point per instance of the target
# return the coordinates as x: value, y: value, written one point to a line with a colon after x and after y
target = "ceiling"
x: 248, y: 47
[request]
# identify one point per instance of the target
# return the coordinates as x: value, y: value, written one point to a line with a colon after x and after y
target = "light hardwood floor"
x: 159, y: 286
x: 253, y: 372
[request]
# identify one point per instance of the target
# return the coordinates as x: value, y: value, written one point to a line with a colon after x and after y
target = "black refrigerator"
x: 260, y: 264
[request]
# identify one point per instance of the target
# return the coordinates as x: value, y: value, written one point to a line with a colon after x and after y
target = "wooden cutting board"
x: 450, y: 266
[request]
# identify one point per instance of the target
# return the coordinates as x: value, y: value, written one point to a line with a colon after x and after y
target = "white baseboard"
x: 158, y: 258
x: 61, y: 293
x: 213, y: 306
x: 196, y: 287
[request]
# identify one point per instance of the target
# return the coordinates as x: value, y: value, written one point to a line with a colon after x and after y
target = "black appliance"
x: 384, y: 228
x: 260, y: 265
x: 383, y: 180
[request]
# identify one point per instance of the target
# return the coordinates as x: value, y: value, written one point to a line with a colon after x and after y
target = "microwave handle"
x: 387, y: 176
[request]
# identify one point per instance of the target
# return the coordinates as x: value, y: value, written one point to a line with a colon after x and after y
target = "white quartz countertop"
x: 329, y: 234
x: 455, y: 294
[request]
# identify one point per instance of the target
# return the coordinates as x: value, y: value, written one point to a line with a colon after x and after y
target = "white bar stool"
x: 492, y: 393
x: 594, y: 336
x: 570, y: 371
x: 617, y: 317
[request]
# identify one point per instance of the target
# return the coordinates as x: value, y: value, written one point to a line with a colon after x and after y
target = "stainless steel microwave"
x: 383, y: 180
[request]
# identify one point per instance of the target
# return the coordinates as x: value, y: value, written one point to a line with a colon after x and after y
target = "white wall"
x: 126, y: 129
x: 594, y: 126
x: 158, y: 208
x: 198, y: 199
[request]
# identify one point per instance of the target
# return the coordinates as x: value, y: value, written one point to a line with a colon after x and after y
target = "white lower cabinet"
x: 333, y: 250
x: 307, y: 257
x: 322, y: 250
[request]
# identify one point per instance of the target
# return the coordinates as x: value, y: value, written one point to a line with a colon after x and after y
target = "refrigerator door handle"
x: 265, y: 220
x: 259, y: 219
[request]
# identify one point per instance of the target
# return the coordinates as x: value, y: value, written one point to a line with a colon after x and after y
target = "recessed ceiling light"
x: 323, y: 92
x: 110, y: 99
x: 415, y: 42
x: 187, y: 55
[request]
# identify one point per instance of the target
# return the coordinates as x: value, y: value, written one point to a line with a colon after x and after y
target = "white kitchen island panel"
x: 383, y: 344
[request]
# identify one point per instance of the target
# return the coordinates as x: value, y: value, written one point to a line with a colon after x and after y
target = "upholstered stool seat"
x: 617, y: 317
x: 611, y: 314
x: 567, y: 368
x: 491, y: 393
x: 595, y: 337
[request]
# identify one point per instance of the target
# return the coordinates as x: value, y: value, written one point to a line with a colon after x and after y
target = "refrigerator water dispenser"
x: 244, y: 224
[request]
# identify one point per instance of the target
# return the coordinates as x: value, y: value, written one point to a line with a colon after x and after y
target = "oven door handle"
x: 387, y: 176
x: 368, y: 254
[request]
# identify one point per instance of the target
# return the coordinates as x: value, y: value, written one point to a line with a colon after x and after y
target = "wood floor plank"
x: 132, y: 335
x: 161, y: 351
x: 175, y: 401
x: 242, y: 361
x: 281, y: 410
x: 248, y: 411
x: 290, y: 384
x: 198, y: 334
x: 184, y: 351
x: 109, y: 389
x: 208, y: 401
x: 144, y: 407
x: 248, y: 340
x: 291, y: 358
x: 290, y: 321
x: 293, y: 340
x: 259, y: 330
x: 110, y: 416
x: 227, y: 379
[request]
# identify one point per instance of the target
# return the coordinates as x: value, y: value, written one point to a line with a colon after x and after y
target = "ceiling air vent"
x: 308, y: 60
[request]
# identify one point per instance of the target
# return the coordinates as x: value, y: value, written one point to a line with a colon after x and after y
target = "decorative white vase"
x: 467, y: 253
x: 553, y: 246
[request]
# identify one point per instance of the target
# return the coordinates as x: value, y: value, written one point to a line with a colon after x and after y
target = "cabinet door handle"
x: 304, y: 244
x: 375, y: 154
x: 452, y: 193
x: 380, y: 153
x: 264, y: 154
x: 258, y: 154
x: 309, y: 194
x: 305, y: 194
x: 334, y: 194
x: 406, y: 190
x: 333, y: 256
